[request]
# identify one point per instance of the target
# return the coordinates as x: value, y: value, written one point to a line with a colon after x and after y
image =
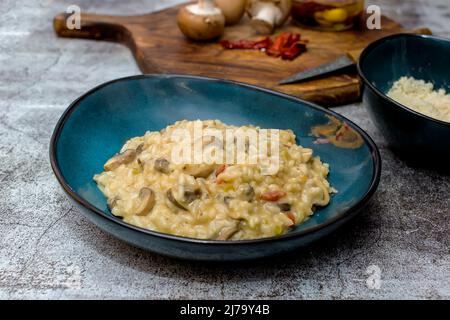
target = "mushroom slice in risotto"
x: 122, y: 158
x: 162, y: 165
x: 146, y: 201
x: 199, y: 170
x: 227, y: 232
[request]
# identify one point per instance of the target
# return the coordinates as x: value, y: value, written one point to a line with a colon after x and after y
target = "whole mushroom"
x: 268, y: 14
x: 233, y: 10
x: 201, y: 21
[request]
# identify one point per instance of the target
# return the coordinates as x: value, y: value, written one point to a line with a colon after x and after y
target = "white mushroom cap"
x: 268, y: 14
x: 201, y: 21
x: 233, y: 10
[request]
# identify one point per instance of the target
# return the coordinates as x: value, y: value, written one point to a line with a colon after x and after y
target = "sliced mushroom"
x: 189, y: 196
x: 247, y: 192
x: 162, y: 165
x: 172, y: 199
x: 141, y: 163
x: 204, y: 188
x: 111, y: 203
x: 186, y: 198
x: 183, y: 199
x: 284, y: 206
x: 199, y: 170
x: 227, y: 232
x: 139, y: 148
x: 123, y: 158
x: 227, y: 200
x: 147, y: 201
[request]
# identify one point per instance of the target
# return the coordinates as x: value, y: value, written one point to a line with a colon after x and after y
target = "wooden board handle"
x: 98, y: 27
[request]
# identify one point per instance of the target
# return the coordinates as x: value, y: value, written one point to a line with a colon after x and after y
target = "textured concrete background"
x: 48, y: 250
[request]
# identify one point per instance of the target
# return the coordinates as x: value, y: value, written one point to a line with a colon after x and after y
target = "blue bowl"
x: 97, y: 124
x: 416, y: 137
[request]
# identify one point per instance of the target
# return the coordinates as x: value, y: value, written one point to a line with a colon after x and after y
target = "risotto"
x: 422, y: 97
x: 212, y: 200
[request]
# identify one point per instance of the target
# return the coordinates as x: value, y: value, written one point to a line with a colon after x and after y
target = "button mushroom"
x: 111, y: 203
x: 227, y: 200
x: 147, y: 201
x: 227, y: 232
x: 268, y: 14
x: 199, y: 170
x: 201, y: 21
x: 233, y: 10
x: 181, y: 201
x: 162, y: 165
x: 140, y: 148
x: 189, y: 196
x: 247, y: 192
x: 123, y: 158
x: 171, y: 198
x: 284, y: 206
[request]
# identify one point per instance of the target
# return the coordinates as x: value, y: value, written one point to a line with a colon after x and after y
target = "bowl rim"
x: 373, y: 149
x: 381, y: 94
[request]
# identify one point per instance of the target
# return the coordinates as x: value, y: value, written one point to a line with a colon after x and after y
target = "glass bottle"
x: 328, y: 15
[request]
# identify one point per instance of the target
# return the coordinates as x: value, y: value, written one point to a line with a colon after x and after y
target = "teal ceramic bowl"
x: 97, y: 124
x: 416, y: 137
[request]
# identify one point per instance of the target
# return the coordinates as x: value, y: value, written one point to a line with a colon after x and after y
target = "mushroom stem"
x: 206, y: 4
x: 268, y: 14
x: 267, y: 17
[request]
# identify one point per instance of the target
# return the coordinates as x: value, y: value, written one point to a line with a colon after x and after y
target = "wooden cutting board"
x: 159, y: 47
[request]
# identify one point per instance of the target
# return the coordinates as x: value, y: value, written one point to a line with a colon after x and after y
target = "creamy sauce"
x: 213, y: 201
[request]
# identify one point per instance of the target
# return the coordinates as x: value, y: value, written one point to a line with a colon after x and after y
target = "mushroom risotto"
x: 226, y: 200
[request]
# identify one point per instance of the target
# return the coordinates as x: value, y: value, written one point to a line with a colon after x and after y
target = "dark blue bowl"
x: 415, y: 136
x: 97, y: 124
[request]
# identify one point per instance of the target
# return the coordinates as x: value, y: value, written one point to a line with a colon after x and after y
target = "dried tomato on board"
x: 294, y: 50
x: 287, y: 45
x: 280, y: 42
x: 247, y: 44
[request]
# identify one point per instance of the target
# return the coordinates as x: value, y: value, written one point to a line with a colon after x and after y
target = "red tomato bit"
x: 287, y: 45
x: 247, y: 44
x: 273, y: 195
x: 291, y: 216
x: 220, y: 169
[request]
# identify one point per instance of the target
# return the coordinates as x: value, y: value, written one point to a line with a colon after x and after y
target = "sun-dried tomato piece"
x: 247, y: 44
x: 287, y: 45
x: 273, y: 195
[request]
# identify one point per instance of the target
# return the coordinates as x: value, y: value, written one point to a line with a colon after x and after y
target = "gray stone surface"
x: 49, y: 250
